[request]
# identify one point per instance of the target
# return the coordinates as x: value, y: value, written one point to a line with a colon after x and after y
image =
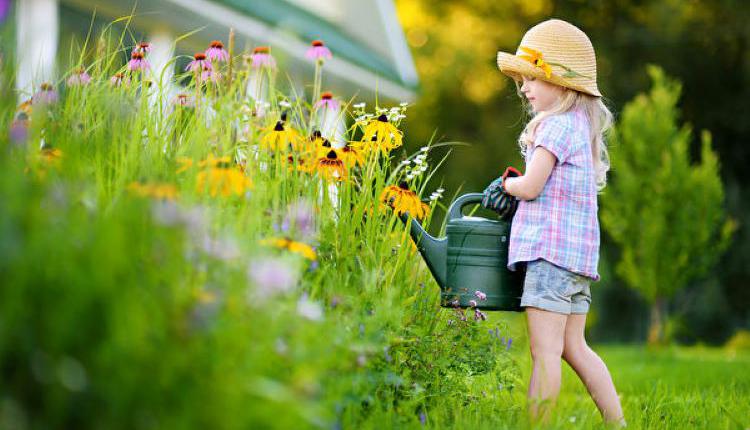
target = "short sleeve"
x: 554, y: 134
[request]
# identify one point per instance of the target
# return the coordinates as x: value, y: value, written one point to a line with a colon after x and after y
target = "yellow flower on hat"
x: 535, y: 57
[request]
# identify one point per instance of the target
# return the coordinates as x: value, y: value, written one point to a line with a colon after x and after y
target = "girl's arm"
x: 530, y: 185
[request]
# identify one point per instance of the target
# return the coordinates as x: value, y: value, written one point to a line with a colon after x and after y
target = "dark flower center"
x: 317, y: 43
x: 283, y: 116
x: 316, y: 134
x: 403, y: 185
x: 137, y: 55
x: 261, y: 50
x: 326, y: 96
x: 143, y: 45
x: 217, y: 44
x: 331, y: 155
x: 200, y: 56
x: 383, y: 118
x: 46, y: 87
x: 279, y: 126
x: 326, y: 143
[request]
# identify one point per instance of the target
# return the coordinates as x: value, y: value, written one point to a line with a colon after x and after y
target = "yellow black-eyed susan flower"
x: 382, y: 134
x: 352, y: 155
x: 331, y: 166
x: 51, y: 155
x: 281, y: 138
x: 220, y: 176
x: 403, y: 200
x: 300, y: 248
x: 185, y: 164
x: 159, y: 191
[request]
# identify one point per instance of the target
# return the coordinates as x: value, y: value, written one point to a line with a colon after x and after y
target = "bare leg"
x: 546, y: 338
x: 592, y: 371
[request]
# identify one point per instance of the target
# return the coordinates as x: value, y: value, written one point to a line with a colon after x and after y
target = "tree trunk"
x: 656, y: 334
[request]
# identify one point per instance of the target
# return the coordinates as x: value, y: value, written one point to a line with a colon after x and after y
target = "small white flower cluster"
x: 415, y: 168
x: 285, y: 104
x: 394, y: 114
x: 437, y: 194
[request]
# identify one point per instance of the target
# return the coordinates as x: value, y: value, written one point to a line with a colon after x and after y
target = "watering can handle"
x: 458, y: 205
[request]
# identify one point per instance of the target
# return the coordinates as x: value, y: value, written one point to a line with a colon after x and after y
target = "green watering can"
x: 473, y: 257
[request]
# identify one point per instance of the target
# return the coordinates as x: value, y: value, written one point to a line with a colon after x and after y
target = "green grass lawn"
x: 670, y: 388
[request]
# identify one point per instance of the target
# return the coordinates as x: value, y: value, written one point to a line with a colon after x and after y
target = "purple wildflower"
x: 473, y: 303
x: 4, y: 8
x: 479, y: 315
x: 19, y: 131
x: 480, y: 295
x: 119, y: 79
x: 300, y: 216
x: 45, y: 95
x: 216, y: 52
x: 79, y: 78
x: 422, y: 418
x: 510, y: 341
x: 386, y: 355
x: 199, y: 63
x: 309, y: 309
x: 318, y: 51
x: 262, y: 58
x: 272, y: 276
x: 327, y: 101
x: 138, y: 62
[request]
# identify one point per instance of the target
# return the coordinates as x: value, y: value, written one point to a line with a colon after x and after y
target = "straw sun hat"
x: 555, y: 51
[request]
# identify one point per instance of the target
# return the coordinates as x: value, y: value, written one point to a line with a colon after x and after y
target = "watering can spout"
x: 434, y: 251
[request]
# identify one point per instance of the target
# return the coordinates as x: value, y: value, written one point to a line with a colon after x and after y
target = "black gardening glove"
x: 496, y: 199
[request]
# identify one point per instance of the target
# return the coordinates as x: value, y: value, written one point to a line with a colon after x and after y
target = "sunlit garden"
x: 220, y: 249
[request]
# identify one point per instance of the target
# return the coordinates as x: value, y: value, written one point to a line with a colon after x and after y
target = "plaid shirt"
x: 561, y: 224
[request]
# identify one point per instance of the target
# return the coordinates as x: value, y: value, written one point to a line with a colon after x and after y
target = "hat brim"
x: 515, y: 67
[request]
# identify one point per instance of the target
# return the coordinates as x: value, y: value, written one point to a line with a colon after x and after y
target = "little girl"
x: 555, y: 230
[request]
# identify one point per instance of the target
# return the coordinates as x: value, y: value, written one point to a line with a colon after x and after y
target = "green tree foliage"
x: 665, y: 213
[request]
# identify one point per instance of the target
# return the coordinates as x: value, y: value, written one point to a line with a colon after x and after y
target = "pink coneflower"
x: 137, y: 62
x: 327, y: 101
x: 209, y: 74
x: 142, y: 47
x: 183, y: 100
x: 119, y: 79
x: 45, y: 95
x: 216, y: 52
x: 199, y: 63
x: 318, y: 51
x: 79, y: 78
x: 262, y: 58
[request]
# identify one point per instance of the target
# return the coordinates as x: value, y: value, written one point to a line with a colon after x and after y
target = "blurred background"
x: 440, y: 57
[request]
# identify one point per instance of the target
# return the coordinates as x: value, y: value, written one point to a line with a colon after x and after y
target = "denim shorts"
x: 552, y: 288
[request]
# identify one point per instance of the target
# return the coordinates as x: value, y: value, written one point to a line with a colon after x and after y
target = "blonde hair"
x: 600, y: 122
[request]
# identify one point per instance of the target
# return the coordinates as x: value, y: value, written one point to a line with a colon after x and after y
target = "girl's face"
x: 541, y: 95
